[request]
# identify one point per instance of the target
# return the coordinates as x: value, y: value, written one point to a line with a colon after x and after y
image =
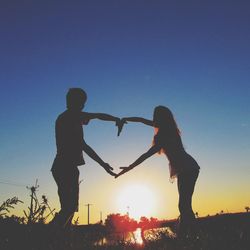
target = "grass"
x: 221, y: 232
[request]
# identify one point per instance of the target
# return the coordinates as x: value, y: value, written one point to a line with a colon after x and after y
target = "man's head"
x: 76, y: 98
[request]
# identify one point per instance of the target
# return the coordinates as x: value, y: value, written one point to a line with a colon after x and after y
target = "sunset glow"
x: 129, y: 57
x: 137, y: 200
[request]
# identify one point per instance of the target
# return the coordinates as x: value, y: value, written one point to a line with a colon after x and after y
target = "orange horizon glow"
x: 136, y: 200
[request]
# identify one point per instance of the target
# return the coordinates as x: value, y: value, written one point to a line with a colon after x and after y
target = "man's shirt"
x: 69, y: 136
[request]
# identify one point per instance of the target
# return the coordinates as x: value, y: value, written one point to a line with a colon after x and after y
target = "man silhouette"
x: 70, y: 144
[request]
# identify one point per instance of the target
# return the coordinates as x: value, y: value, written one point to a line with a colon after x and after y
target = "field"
x: 220, y: 232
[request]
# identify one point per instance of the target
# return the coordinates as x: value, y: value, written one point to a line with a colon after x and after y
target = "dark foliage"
x: 225, y: 231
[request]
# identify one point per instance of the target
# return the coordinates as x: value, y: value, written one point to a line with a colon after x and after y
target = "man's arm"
x: 86, y: 117
x: 154, y: 149
x: 91, y: 153
x: 138, y: 119
x: 100, y: 116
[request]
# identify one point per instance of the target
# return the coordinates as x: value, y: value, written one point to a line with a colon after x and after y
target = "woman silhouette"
x: 167, y: 140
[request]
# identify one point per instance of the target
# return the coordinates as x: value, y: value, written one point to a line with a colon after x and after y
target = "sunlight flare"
x: 137, y: 200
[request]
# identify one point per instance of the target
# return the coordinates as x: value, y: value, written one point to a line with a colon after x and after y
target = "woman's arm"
x: 154, y: 149
x: 132, y: 119
x: 138, y: 119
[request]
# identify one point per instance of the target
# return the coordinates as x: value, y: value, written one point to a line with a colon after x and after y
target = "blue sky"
x: 129, y: 56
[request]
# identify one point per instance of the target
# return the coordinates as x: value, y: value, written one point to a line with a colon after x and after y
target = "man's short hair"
x: 75, y: 97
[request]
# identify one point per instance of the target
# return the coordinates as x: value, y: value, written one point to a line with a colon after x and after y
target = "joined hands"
x: 120, y: 123
x: 124, y: 170
x: 109, y: 169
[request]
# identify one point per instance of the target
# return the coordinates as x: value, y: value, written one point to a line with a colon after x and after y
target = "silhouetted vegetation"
x: 223, y: 231
x: 7, y: 205
x: 38, y: 212
x: 116, y: 223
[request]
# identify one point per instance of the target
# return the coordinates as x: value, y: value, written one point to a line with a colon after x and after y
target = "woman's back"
x: 171, y: 144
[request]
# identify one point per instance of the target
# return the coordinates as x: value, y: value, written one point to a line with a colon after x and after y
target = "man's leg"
x: 71, y: 196
x: 68, y: 190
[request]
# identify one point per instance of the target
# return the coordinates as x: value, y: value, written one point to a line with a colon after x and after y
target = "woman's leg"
x: 186, y: 183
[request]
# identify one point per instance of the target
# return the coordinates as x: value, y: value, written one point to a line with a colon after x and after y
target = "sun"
x: 137, y: 200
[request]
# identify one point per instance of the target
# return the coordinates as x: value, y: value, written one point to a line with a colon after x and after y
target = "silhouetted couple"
x: 70, y: 144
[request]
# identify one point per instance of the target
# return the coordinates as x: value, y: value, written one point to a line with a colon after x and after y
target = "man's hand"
x: 124, y: 170
x: 120, y: 124
x: 109, y: 169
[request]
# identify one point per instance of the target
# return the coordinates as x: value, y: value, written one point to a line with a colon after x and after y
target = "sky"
x: 129, y: 56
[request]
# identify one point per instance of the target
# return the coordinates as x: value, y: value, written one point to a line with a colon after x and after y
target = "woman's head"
x: 165, y: 127
x: 162, y: 115
x: 163, y: 118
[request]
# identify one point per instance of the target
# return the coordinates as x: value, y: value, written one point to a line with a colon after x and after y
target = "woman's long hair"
x: 164, y: 122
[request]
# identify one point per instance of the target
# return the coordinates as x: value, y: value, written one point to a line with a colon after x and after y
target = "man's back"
x: 69, y: 137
